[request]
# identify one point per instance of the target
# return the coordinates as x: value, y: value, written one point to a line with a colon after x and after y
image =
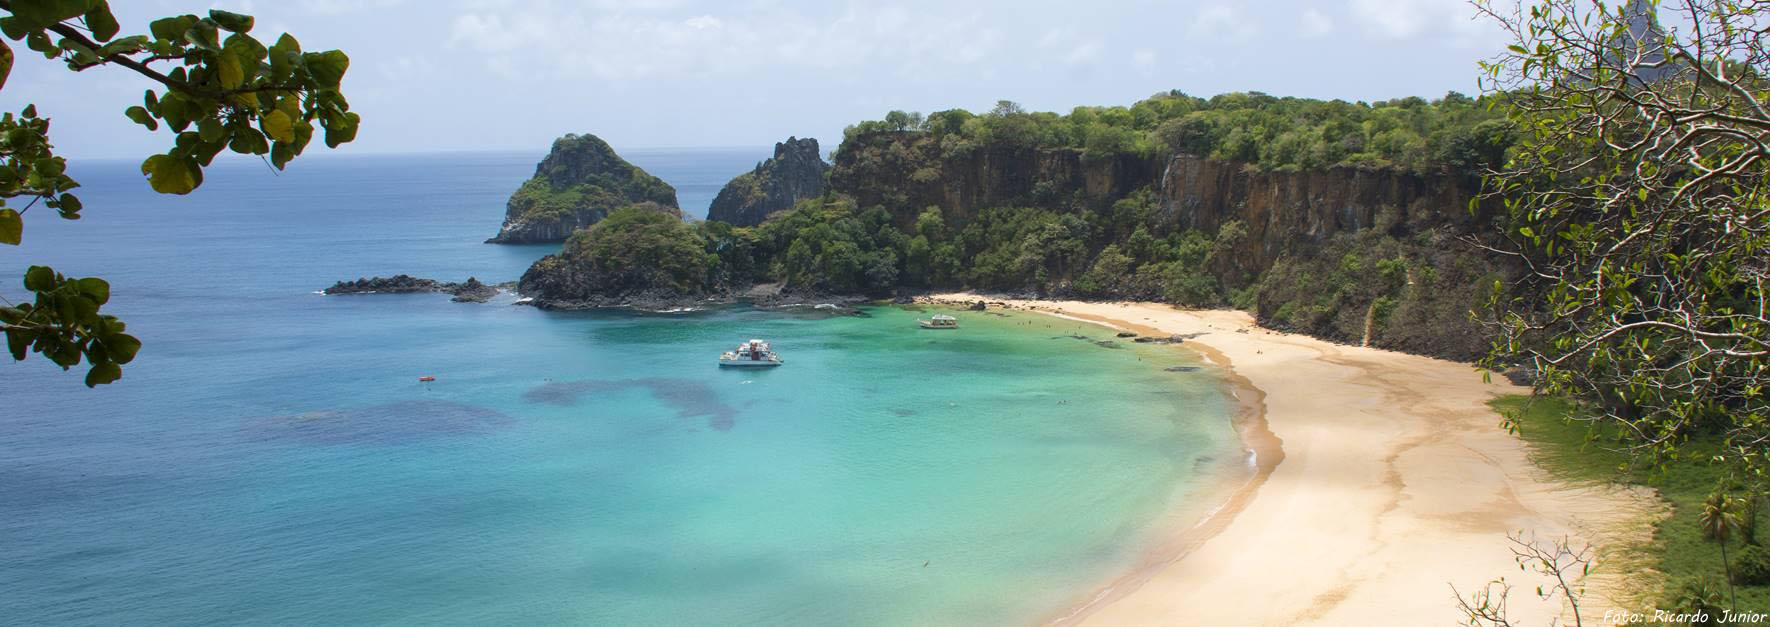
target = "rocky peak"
x: 796, y: 172
x: 580, y: 182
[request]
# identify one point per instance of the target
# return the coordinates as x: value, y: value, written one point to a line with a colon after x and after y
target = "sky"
x: 511, y: 75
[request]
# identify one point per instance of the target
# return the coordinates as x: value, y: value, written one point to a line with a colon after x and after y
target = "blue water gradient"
x: 271, y: 457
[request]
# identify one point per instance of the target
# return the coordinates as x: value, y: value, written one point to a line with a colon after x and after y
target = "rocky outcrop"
x: 469, y: 291
x: 579, y: 182
x: 396, y: 284
x: 906, y: 173
x: 1284, y: 209
x: 472, y: 292
x: 796, y: 172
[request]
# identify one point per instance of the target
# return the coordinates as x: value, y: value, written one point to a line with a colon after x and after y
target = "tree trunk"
x: 1725, y: 565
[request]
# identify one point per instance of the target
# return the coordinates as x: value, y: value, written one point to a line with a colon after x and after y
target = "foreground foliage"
x: 219, y: 88
x: 1640, y: 202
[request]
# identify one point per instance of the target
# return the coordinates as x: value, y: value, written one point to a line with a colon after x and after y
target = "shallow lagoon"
x: 271, y: 457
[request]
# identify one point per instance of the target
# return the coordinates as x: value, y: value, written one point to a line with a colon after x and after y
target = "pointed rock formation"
x: 795, y: 173
x: 578, y: 184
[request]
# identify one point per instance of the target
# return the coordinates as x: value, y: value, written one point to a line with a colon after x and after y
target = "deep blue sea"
x: 271, y: 457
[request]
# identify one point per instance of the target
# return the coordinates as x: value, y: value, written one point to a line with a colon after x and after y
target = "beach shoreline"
x: 1384, y: 480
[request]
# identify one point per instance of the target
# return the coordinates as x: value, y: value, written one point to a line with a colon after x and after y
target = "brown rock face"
x: 795, y: 173
x: 1280, y: 209
x: 1283, y: 209
x: 906, y: 173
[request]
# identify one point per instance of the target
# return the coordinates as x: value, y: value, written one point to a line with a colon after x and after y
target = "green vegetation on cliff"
x: 1039, y: 204
x: 1454, y: 134
x: 634, y: 250
x: 580, y: 181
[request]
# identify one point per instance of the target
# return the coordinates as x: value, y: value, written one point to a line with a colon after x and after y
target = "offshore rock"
x: 469, y: 291
x: 579, y: 183
x: 796, y: 172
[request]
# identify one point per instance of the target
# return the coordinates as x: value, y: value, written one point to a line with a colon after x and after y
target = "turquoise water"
x: 271, y: 458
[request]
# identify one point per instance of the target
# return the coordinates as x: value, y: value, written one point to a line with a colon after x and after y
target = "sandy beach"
x: 1396, y: 482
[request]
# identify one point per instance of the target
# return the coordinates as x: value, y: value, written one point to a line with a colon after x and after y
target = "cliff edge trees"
x: 796, y: 172
x: 579, y: 183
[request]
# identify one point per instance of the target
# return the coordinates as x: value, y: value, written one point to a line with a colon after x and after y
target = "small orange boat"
x: 427, y: 379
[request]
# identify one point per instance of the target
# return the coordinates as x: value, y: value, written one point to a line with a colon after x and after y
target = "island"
x: 579, y: 182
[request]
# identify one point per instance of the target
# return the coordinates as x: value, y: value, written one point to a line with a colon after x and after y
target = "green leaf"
x: 278, y: 126
x: 342, y: 133
x: 17, y: 341
x: 36, y: 14
x: 283, y: 56
x: 70, y: 206
x: 100, y: 21
x: 5, y: 63
x: 141, y: 116
x: 248, y: 141
x: 171, y: 28
x: 96, y: 289
x: 12, y: 227
x: 103, y: 373
x: 211, y: 130
x: 203, y: 34
x: 13, y: 28
x: 233, y: 22
x: 127, y: 45
x: 169, y: 175
x: 39, y: 279
x: 229, y: 69
x: 175, y: 110
x: 41, y: 43
x: 122, y: 347
x: 281, y: 153
x: 327, y: 67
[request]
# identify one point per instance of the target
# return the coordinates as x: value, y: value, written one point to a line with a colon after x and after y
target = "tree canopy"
x: 1454, y: 133
x: 217, y: 88
x: 1639, y: 198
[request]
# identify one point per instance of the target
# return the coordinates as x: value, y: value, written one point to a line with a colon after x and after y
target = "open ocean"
x: 271, y: 458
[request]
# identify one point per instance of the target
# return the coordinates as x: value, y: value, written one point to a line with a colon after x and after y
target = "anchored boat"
x: 939, y: 322
x: 751, y: 354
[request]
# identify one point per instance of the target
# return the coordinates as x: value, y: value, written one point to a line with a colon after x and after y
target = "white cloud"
x: 339, y: 7
x: 1084, y: 53
x: 554, y: 39
x: 1315, y: 23
x: 1222, y: 21
x: 1396, y: 19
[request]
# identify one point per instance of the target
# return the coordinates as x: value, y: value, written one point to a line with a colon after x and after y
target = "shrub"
x: 1697, y: 597
x: 1752, y: 567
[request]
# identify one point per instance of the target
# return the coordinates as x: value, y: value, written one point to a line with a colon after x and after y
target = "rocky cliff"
x: 1346, y: 253
x: 906, y: 173
x: 796, y: 172
x: 1280, y: 209
x: 579, y: 182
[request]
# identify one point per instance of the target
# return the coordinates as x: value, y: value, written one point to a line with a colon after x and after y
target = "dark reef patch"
x: 690, y: 398
x: 392, y: 423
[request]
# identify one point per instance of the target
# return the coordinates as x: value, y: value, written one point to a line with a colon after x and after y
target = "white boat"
x: 751, y: 354
x: 939, y: 322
